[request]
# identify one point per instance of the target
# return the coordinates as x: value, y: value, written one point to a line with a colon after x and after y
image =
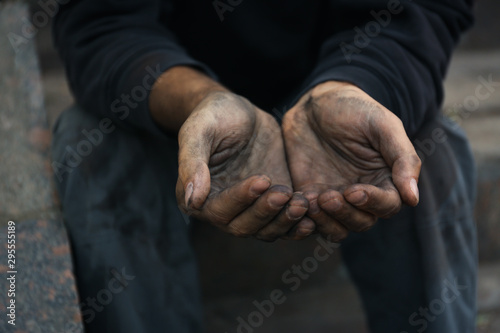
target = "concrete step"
x: 488, y: 320
x: 472, y: 84
x: 40, y: 295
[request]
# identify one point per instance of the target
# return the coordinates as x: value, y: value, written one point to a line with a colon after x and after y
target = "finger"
x: 301, y: 230
x: 261, y: 212
x: 336, y: 207
x: 400, y: 155
x: 381, y: 201
x: 224, y: 206
x: 325, y: 224
x: 287, y: 219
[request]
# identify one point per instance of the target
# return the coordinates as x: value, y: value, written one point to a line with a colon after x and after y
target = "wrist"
x: 176, y: 93
x: 330, y: 86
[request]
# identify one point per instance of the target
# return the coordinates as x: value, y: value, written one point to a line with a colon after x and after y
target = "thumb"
x: 399, y: 153
x: 193, y: 184
x: 405, y: 172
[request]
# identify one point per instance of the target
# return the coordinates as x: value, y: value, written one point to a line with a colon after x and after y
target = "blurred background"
x: 237, y: 272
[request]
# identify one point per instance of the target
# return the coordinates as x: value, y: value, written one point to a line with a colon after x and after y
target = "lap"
x: 405, y: 264
x: 117, y: 191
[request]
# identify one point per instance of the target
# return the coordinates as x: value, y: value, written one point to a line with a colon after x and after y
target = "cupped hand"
x: 233, y: 171
x: 351, y: 157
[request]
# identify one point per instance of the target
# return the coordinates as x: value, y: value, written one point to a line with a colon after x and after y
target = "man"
x: 359, y: 78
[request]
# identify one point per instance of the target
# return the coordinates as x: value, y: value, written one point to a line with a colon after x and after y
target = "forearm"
x: 176, y: 93
x: 112, y: 60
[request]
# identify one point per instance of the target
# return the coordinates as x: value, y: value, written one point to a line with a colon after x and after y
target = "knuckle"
x: 215, y: 217
x: 343, y: 213
x: 415, y: 160
x: 239, y: 232
x: 263, y: 214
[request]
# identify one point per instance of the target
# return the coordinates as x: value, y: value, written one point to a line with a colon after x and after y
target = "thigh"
x: 416, y: 272
x: 134, y: 265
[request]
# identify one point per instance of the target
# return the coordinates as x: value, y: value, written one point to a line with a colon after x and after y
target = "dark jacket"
x: 268, y: 51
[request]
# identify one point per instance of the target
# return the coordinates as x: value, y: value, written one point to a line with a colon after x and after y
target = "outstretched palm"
x: 230, y: 153
x: 351, y: 158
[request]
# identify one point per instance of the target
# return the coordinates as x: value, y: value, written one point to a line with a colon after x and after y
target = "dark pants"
x: 136, y: 270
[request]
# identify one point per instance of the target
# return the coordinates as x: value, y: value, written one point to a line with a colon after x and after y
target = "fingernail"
x: 357, y: 197
x: 414, y: 189
x: 189, y: 193
x: 333, y: 205
x: 295, y: 212
x: 277, y: 200
x: 305, y: 228
x: 304, y: 231
x: 259, y: 186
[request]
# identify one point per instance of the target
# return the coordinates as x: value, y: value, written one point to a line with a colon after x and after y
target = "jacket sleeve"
x: 396, y: 51
x: 113, y: 52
